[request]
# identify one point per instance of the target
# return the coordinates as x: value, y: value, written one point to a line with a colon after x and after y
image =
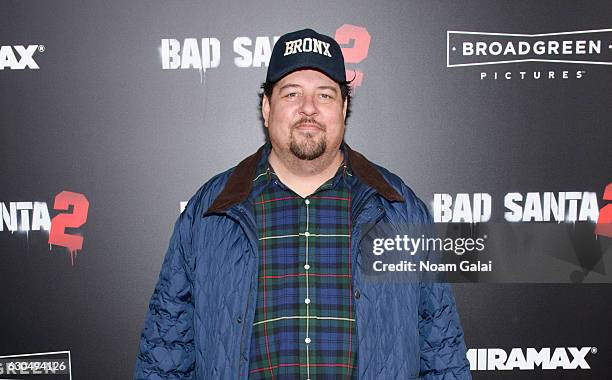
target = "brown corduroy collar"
x: 240, y: 182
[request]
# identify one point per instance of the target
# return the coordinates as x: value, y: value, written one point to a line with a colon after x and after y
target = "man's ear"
x: 345, y: 107
x: 265, y: 109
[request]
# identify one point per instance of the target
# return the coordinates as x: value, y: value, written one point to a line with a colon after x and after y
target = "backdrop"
x: 112, y: 114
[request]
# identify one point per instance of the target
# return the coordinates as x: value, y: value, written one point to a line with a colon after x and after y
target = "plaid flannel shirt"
x: 304, y: 325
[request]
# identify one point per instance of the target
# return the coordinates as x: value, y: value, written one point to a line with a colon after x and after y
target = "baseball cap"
x: 306, y: 49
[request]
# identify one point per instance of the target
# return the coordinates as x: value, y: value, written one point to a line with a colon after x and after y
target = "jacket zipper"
x: 244, y: 322
x: 245, y: 224
x: 372, y: 221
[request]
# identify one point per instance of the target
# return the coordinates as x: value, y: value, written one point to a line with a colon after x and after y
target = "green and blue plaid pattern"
x: 304, y: 325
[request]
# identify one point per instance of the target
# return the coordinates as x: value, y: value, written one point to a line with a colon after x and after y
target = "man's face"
x: 305, y: 116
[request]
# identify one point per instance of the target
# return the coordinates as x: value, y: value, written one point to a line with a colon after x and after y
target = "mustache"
x: 309, y: 120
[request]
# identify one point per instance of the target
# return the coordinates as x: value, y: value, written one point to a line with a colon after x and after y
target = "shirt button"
x: 357, y: 294
x: 306, y: 266
x: 307, y: 301
x: 307, y: 201
x: 307, y: 340
x: 239, y: 319
x: 306, y: 233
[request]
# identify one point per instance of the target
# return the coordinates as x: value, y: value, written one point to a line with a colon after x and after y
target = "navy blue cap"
x: 306, y: 49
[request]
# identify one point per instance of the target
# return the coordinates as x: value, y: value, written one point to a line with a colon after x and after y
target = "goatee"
x: 310, y: 148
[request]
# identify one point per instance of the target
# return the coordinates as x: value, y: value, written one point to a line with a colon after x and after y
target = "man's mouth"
x: 308, y: 126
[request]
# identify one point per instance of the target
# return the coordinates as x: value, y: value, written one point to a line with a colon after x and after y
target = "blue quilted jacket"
x: 200, y: 315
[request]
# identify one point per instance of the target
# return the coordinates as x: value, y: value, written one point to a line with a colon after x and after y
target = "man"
x: 263, y: 277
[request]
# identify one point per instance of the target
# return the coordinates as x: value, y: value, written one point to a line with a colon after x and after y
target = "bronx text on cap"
x: 307, y: 45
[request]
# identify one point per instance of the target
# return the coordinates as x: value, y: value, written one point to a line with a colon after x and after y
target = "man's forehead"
x: 307, y: 77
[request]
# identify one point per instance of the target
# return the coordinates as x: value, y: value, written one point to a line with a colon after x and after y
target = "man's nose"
x: 308, y: 106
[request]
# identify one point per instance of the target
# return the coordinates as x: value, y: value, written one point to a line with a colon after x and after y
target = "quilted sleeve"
x: 443, y: 351
x: 167, y: 342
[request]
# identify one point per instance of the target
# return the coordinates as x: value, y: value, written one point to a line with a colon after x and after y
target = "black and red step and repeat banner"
x: 498, y: 115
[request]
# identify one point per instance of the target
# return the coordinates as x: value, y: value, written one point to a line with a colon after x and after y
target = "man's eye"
x: 292, y: 95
